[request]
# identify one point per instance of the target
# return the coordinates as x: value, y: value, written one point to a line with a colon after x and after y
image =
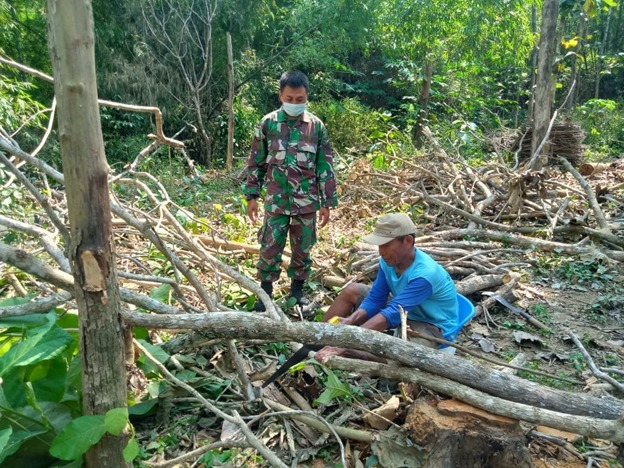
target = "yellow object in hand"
x: 334, y: 320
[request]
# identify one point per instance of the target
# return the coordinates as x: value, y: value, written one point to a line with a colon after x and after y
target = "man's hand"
x: 252, y: 210
x: 325, y: 353
x: 323, y: 216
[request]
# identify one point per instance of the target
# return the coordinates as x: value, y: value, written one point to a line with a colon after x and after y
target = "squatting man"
x: 407, y: 278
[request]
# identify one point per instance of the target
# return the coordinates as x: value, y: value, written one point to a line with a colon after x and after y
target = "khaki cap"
x: 390, y: 227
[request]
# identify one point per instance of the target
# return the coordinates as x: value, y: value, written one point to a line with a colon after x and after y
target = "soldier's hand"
x: 252, y: 210
x: 323, y: 216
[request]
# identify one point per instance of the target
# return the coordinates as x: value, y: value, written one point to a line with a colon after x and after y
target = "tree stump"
x: 455, y: 434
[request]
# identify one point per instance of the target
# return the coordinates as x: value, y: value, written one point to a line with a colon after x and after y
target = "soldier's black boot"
x: 296, y: 291
x: 267, y: 287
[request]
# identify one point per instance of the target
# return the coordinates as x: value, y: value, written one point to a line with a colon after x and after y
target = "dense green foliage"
x: 365, y: 59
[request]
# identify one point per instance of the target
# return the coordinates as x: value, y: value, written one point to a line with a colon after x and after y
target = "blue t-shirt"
x: 425, y: 290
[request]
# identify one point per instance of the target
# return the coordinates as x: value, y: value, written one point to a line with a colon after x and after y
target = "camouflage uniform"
x: 294, y: 159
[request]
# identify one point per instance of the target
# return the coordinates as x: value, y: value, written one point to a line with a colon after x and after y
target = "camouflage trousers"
x: 272, y: 238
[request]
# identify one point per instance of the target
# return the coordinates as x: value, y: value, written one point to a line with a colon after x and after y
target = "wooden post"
x: 230, y: 68
x: 91, y: 251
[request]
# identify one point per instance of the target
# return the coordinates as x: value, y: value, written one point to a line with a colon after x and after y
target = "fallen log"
x: 234, y: 325
x: 591, y: 427
x: 477, y: 283
x: 231, y: 245
x: 589, y: 169
x: 330, y: 281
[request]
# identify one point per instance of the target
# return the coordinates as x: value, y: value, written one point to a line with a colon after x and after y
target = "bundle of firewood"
x: 566, y: 141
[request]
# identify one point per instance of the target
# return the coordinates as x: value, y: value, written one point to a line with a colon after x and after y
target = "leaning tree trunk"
x: 91, y: 254
x: 544, y: 85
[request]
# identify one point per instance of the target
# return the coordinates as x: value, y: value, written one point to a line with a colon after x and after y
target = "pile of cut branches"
x: 490, y: 220
x: 481, y: 223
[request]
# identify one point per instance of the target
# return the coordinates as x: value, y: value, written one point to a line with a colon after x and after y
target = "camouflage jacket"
x: 294, y: 159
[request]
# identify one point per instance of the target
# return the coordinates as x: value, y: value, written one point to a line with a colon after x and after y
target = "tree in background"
x: 181, y: 33
x: 452, y: 42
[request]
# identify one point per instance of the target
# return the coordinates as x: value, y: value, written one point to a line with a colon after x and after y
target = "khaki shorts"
x: 423, y: 328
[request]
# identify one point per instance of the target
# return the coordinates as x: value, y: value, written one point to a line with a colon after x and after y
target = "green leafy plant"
x: 41, y: 389
x: 334, y: 389
x: 603, y: 122
x: 40, y: 380
x: 217, y: 457
x: 85, y: 431
x: 540, y: 312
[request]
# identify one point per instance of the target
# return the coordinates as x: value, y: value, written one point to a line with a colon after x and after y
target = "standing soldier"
x: 291, y: 152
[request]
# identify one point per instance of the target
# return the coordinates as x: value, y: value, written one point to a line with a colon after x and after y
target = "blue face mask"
x: 294, y: 110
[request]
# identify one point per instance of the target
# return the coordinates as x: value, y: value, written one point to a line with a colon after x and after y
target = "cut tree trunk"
x: 456, y: 434
x: 544, y: 85
x: 91, y: 251
x: 610, y: 429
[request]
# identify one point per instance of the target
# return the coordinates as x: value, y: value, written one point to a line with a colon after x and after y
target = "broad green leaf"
x: 32, y: 401
x: 77, y: 437
x: 13, y: 301
x: 148, y: 367
x: 22, y: 321
x: 142, y: 408
x: 156, y: 351
x: 42, y: 343
x: 131, y: 451
x: 376, y: 134
x: 13, y: 387
x: 69, y: 320
x: 162, y: 293
x: 186, y: 375
x: 74, y: 373
x: 209, y: 459
x: 58, y: 414
x: 140, y: 333
x: 49, y: 380
x: 154, y: 388
x: 115, y: 420
x: 15, y: 441
x: 5, y: 435
x: 335, y: 389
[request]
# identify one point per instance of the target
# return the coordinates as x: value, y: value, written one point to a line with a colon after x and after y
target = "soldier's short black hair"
x: 294, y: 79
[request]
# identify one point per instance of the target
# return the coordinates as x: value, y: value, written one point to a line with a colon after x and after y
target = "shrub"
x: 603, y: 122
x: 348, y: 122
